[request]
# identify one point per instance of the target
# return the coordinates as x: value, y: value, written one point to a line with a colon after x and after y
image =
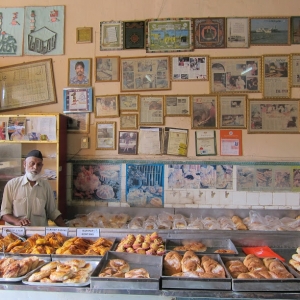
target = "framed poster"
x: 106, y: 106
x: 237, y: 32
x: 134, y: 34
x: 80, y: 72
x: 106, y: 135
x: 169, y: 35
x: 235, y: 74
x: 84, y: 35
x: 295, y: 65
x: 295, y: 30
x: 128, y: 142
x: 205, y: 142
x: 78, y: 100
x: 276, y: 76
x: 129, y: 102
x: 177, y: 141
x: 107, y: 69
x: 273, y: 116
x: 78, y: 122
x: 177, y: 105
x: 111, y: 35
x: 129, y: 121
x: 151, y: 110
x: 231, y: 142
x: 145, y: 73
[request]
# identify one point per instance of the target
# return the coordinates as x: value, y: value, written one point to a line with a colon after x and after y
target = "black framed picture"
x: 134, y: 35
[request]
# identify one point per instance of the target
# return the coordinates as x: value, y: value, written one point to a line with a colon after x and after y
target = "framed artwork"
x: 189, y: 67
x: 84, y: 35
x: 237, y: 32
x: 232, y: 111
x: 176, y: 141
x: 276, y: 76
x: 145, y: 73
x: 205, y: 142
x: 129, y: 102
x: 269, y: 31
x: 78, y: 99
x: 134, y: 34
x: 169, y: 35
x: 106, y: 135
x: 150, y: 140
x: 295, y: 65
x: 80, y: 72
x: 106, y: 106
x: 295, y: 30
x: 209, y: 33
x: 128, y: 142
x: 78, y: 123
x: 273, y: 116
x: 204, y: 111
x: 107, y: 68
x: 151, y: 110
x: 235, y: 74
x: 129, y: 121
x: 111, y: 35
x: 177, y: 105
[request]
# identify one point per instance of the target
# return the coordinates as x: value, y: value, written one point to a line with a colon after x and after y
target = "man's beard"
x: 32, y: 176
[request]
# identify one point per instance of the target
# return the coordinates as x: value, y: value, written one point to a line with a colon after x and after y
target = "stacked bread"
x: 193, y: 246
x: 295, y: 260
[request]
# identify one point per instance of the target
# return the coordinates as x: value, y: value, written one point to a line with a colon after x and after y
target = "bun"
x: 172, y: 263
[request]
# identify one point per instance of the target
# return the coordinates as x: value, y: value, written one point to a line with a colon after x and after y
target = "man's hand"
x: 15, y: 221
x: 23, y: 222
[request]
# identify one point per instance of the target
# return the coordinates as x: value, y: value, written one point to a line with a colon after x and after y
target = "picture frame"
x: 205, y: 142
x: 209, y: 33
x: 128, y: 142
x: 273, y: 116
x: 276, y: 76
x: 145, y: 73
x: 237, y: 32
x: 129, y: 102
x: 189, y: 67
x: 107, y: 106
x: 107, y: 69
x: 204, y: 111
x: 151, y: 110
x: 111, y: 35
x: 177, y: 141
x: 295, y: 30
x: 269, y: 31
x: 129, y: 121
x: 232, y: 111
x: 177, y: 105
x: 240, y: 74
x: 78, y: 122
x: 78, y: 100
x: 295, y: 69
x: 169, y: 35
x: 134, y: 34
x: 105, y: 135
x: 84, y: 35
x: 79, y: 72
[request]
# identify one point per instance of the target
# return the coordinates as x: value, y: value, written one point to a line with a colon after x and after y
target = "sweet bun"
x: 172, y: 263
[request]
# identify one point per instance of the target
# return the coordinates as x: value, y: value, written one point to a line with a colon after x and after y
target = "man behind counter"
x: 28, y: 199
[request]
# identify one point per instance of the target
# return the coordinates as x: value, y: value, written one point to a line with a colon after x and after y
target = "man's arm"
x: 59, y: 221
x: 15, y: 221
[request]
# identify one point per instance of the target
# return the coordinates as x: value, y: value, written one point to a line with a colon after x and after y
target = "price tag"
x: 63, y: 230
x: 88, y: 233
x: 16, y: 230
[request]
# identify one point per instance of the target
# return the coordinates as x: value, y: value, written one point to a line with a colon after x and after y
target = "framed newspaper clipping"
x: 295, y: 66
x: 237, y: 32
x: 151, y: 110
x: 177, y: 105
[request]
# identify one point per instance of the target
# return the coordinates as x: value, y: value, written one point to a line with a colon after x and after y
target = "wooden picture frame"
x: 269, y: 31
x: 111, y: 35
x: 273, y: 116
x: 79, y: 72
x: 205, y: 142
x: 232, y: 111
x: 177, y: 105
x: 189, y: 67
x: 129, y: 121
x: 107, y: 106
x: 107, y: 69
x: 169, y: 35
x: 151, y: 110
x: 177, y: 141
x: 295, y: 30
x: 78, y: 100
x: 129, y: 102
x: 209, y: 33
x: 240, y: 74
x: 204, y: 111
x: 295, y: 69
x: 237, y: 32
x: 145, y: 73
x: 128, y: 142
x: 84, y: 35
x: 78, y: 122
x: 106, y: 135
x: 134, y: 34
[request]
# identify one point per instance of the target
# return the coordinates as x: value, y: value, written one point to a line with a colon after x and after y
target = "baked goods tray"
x: 188, y: 283
x: 153, y: 264
x: 210, y: 245
x: 265, y: 285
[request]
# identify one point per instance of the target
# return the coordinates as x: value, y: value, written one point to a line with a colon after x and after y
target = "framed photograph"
x: 237, y: 32
x: 78, y: 100
x: 177, y: 141
x: 128, y: 142
x: 80, y: 72
x: 106, y: 106
x: 235, y: 74
x: 233, y: 111
x: 295, y: 65
x: 273, y: 116
x: 129, y: 102
x: 145, y: 73
x: 189, y: 67
x: 209, y: 33
x: 78, y: 123
x: 84, y: 35
x: 151, y: 110
x: 270, y: 31
x: 134, y: 34
x: 276, y: 76
x: 204, y: 111
x: 169, y: 35
x: 177, y: 105
x: 295, y: 30
x: 107, y: 68
x: 111, y: 35
x: 205, y: 142
x: 106, y: 135
x: 129, y: 121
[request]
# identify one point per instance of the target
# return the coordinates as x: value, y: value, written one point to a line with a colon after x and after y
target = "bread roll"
x: 172, y: 263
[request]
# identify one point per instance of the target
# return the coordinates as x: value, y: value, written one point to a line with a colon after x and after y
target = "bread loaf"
x: 172, y: 263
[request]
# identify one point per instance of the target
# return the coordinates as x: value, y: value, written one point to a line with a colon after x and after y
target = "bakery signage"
x: 63, y: 230
x: 91, y: 232
x: 17, y: 230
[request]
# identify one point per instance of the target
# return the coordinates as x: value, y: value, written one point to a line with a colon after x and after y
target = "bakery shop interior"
x: 150, y: 149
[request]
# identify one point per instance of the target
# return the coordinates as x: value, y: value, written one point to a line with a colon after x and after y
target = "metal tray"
x: 170, y: 282
x: 211, y: 244
x: 153, y: 264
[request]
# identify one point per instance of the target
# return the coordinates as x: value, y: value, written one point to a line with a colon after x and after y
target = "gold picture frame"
x: 107, y: 106
x: 151, y: 110
x: 129, y: 121
x: 177, y: 105
x: 78, y: 122
x: 84, y: 35
x: 295, y: 69
x: 105, y: 135
x: 129, y: 102
x: 107, y: 69
x: 79, y: 72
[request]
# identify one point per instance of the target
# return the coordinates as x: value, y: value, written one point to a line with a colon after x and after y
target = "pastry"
x: 137, y: 273
x: 172, y: 263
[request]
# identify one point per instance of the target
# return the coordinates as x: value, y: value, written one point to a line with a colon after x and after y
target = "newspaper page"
x: 295, y: 70
x: 177, y: 105
x: 233, y: 111
x: 149, y: 141
x: 151, y: 110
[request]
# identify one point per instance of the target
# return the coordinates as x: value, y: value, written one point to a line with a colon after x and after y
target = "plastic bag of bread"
x: 289, y: 224
x: 179, y: 224
x: 118, y: 220
x: 211, y: 224
x: 256, y: 221
x: 194, y: 223
x: 78, y: 222
x: 150, y: 224
x: 165, y: 216
x: 97, y: 218
x: 164, y: 224
x: 226, y: 223
x: 136, y: 223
